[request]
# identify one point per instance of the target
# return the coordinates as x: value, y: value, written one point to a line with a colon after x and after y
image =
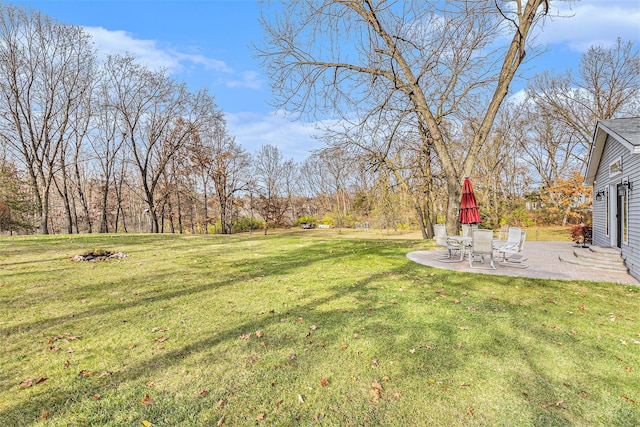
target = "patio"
x: 542, y: 259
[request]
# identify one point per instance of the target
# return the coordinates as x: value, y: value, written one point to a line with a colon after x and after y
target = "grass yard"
x: 302, y: 329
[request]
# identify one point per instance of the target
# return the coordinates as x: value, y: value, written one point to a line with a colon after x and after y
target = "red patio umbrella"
x: 469, y: 213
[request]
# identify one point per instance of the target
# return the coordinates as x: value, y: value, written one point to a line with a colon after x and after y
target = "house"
x: 614, y: 172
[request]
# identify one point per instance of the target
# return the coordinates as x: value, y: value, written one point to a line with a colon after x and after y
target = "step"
x: 605, y: 251
x: 598, y: 257
x: 591, y: 264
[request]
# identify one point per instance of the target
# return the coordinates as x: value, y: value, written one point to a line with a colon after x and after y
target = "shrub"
x: 581, y: 233
x: 306, y: 221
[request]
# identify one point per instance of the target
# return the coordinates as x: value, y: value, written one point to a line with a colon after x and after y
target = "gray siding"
x: 631, y: 251
x: 631, y: 169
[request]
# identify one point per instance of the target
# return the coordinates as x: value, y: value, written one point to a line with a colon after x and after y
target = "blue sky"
x: 207, y: 43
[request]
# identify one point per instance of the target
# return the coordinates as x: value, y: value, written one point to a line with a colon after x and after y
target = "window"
x: 625, y: 217
x: 606, y: 209
x: 615, y: 167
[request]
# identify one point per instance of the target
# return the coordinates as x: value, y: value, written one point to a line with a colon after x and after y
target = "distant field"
x: 559, y: 234
x: 303, y: 327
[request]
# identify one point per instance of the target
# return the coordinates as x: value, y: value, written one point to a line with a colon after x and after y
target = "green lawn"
x: 302, y: 329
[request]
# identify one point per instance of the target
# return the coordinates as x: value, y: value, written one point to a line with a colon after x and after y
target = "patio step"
x: 596, y: 257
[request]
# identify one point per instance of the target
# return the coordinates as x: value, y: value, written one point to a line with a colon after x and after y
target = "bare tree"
x: 229, y: 171
x: 606, y: 86
x: 269, y: 178
x: 439, y: 58
x: 158, y: 116
x: 45, y: 72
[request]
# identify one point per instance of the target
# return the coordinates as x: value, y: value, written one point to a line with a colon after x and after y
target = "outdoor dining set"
x: 476, y: 243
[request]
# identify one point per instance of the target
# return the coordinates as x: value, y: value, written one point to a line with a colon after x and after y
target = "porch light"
x: 623, y: 187
x: 599, y: 195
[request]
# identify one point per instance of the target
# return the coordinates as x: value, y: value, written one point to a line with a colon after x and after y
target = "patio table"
x: 462, y: 241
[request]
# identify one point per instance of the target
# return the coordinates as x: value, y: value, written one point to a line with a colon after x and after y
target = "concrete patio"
x: 542, y: 258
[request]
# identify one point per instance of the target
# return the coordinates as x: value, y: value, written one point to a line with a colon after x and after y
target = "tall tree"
x: 158, y: 116
x: 45, y: 71
x: 439, y: 58
x: 269, y: 178
x: 229, y: 171
x: 606, y: 86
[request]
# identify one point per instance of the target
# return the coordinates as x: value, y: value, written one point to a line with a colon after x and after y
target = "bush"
x: 306, y: 221
x: 581, y: 234
x: 246, y: 224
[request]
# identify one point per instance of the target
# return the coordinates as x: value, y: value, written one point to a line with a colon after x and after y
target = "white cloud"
x: 294, y: 139
x: 250, y: 80
x: 146, y: 51
x: 591, y: 22
x: 154, y: 56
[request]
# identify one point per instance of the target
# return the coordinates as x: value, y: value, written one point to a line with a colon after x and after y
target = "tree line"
x: 112, y: 146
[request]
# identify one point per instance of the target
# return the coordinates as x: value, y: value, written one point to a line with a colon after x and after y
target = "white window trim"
x: 618, y: 170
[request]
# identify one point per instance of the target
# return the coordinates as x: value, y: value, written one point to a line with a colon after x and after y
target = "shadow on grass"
x: 437, y: 323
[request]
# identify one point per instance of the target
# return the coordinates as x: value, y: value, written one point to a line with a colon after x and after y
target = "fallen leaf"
x: 95, y: 397
x: 459, y: 345
x: 45, y: 415
x: 464, y: 328
x: 220, y: 421
x: 147, y: 400
x: 105, y: 374
x: 130, y: 346
x: 582, y: 394
x: 470, y: 411
x: 456, y: 301
x: 356, y: 335
x: 313, y: 327
x: 628, y: 368
x: 324, y: 382
x: 299, y: 319
x: 85, y: 373
x: 27, y: 383
x: 279, y: 403
x: 66, y: 364
x: 221, y: 403
x: 300, y: 398
x: 263, y: 344
x: 465, y: 385
x: 626, y: 399
x: 245, y: 337
x: 344, y: 346
x: 160, y: 339
x: 203, y: 393
x: 292, y: 356
x: 397, y: 394
x: 376, y: 385
x: 261, y: 416
x: 259, y: 334
x: 376, y: 394
x: 150, y: 384
x: 146, y: 423
x: 41, y: 380
x: 385, y: 378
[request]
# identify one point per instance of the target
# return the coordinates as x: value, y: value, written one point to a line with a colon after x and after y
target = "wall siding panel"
x: 631, y: 170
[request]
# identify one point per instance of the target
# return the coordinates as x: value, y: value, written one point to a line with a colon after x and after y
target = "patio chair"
x: 513, y: 246
x: 481, y: 246
x: 440, y: 236
x: 466, y: 229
